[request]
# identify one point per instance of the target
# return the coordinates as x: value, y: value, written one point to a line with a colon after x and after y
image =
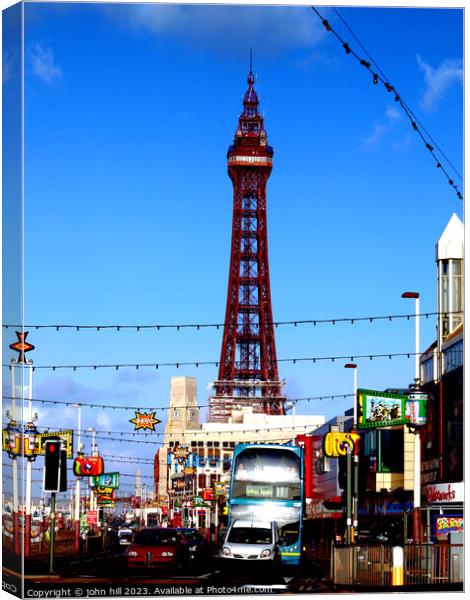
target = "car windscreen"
x: 154, y: 538
x: 250, y: 535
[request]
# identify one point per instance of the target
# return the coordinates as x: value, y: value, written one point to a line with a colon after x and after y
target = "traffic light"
x: 55, y: 466
x: 63, y: 470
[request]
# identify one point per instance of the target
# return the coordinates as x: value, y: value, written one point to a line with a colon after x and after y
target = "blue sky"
x: 129, y: 111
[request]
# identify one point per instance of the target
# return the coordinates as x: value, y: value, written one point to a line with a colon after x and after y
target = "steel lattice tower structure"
x: 248, y: 366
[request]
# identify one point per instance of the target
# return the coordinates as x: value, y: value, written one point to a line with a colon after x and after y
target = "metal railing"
x: 371, y: 565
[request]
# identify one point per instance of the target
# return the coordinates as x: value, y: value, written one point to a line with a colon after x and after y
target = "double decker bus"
x: 267, y: 484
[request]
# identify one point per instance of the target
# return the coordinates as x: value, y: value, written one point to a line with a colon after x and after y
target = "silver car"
x: 255, y: 542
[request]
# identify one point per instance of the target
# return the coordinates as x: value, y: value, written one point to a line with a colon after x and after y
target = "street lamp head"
x: 350, y: 366
x: 414, y: 295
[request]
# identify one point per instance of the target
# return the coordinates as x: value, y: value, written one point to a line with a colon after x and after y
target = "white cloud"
x: 439, y: 80
x: 393, y: 113
x: 104, y: 420
x: 373, y: 140
x: 42, y: 64
x: 221, y: 27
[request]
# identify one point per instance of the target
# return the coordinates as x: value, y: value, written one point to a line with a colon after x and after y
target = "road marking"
x: 46, y: 576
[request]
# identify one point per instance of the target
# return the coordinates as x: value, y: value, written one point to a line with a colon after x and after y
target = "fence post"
x: 332, y: 562
x: 382, y: 565
x: 397, y: 565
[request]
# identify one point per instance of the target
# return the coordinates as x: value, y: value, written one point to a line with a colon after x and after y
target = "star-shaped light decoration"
x: 21, y: 346
x: 144, y: 421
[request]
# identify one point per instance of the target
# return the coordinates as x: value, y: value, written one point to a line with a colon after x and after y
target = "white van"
x: 247, y: 541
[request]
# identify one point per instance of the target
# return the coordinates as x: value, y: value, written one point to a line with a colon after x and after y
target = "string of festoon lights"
x: 374, y: 62
x: 204, y: 363
x: 199, y: 326
x: 239, y: 400
x: 105, y: 435
x: 376, y: 77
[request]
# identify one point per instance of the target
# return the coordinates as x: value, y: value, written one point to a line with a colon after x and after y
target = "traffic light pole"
x: 52, y: 534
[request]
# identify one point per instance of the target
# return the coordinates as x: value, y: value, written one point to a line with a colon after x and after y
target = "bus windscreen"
x: 267, y: 473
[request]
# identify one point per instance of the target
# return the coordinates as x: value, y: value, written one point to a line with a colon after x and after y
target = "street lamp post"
x: 27, y: 515
x: 77, y: 483
x: 417, y: 439
x: 93, y: 453
x: 355, y: 495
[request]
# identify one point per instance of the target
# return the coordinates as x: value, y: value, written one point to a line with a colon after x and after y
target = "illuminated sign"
x: 105, y: 498
x: 445, y: 524
x: 92, y: 517
x: 337, y: 443
x: 65, y: 436
x: 144, y: 421
x: 380, y: 409
x: 445, y: 492
x: 259, y: 491
x: 106, y: 479
x: 103, y: 490
x: 180, y: 453
x: 21, y: 346
x: 416, y: 407
x: 87, y: 466
x: 208, y: 494
x: 220, y: 489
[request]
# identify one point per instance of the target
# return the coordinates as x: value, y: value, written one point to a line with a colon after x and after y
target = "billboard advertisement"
x: 380, y: 409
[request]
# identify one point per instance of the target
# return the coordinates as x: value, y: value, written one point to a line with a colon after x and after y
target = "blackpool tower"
x: 248, y: 370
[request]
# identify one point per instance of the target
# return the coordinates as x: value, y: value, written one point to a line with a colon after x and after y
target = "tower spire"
x: 248, y: 365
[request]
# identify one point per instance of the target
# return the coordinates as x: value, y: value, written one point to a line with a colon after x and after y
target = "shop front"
x: 445, y: 517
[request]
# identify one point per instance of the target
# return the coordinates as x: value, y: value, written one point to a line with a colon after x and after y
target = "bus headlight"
x: 226, y: 551
x: 167, y: 553
x: 265, y: 553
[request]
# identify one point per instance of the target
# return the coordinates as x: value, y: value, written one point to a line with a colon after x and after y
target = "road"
x: 107, y: 574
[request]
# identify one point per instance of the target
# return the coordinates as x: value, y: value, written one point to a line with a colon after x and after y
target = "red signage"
x: 208, y: 494
x: 445, y: 492
x: 92, y: 517
x: 88, y: 466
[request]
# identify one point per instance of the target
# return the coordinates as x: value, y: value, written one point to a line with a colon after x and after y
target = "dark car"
x: 156, y: 547
x: 199, y: 551
x: 165, y: 547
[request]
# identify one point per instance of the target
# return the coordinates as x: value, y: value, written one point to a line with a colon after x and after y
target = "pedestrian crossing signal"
x: 55, y: 466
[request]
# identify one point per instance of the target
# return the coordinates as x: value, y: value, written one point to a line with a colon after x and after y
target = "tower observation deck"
x: 248, y: 372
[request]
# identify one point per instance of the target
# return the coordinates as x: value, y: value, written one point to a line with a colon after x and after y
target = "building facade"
x: 195, y: 458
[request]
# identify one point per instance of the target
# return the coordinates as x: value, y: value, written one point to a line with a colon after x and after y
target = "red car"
x: 160, y: 547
